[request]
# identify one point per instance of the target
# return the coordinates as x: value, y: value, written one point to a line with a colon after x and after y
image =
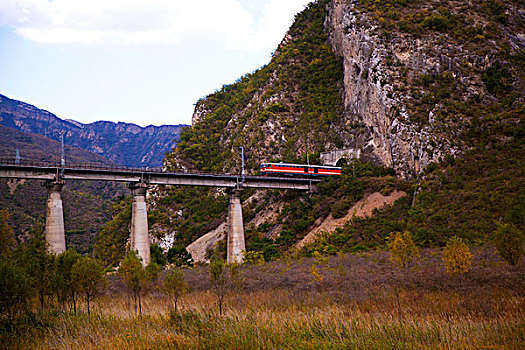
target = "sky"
x: 145, y: 62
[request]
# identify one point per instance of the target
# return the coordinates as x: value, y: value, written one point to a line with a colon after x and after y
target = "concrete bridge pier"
x: 235, y: 239
x: 54, y: 232
x: 139, y: 222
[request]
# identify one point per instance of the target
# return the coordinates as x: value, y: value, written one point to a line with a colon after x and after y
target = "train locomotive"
x: 298, y: 169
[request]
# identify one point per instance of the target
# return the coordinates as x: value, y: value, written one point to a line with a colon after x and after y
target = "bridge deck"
x: 154, y: 177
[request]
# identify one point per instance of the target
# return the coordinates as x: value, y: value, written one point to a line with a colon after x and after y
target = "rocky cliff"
x: 122, y: 143
x: 410, y: 67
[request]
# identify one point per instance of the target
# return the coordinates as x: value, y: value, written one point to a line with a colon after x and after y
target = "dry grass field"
x: 282, y: 305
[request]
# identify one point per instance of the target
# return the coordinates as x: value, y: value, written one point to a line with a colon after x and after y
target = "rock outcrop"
x: 362, y: 208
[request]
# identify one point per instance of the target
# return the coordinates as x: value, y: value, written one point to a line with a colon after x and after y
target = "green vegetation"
x: 509, y: 241
x: 464, y: 197
x: 66, y: 284
x: 110, y: 246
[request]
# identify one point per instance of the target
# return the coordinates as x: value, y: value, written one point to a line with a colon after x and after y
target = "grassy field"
x: 282, y: 305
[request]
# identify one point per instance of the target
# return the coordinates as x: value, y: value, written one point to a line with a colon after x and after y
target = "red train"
x: 298, y: 169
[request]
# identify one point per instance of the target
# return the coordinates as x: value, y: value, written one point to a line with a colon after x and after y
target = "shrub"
x: 497, y: 79
x: 253, y: 257
x: 179, y: 256
x: 157, y: 255
x: 14, y: 291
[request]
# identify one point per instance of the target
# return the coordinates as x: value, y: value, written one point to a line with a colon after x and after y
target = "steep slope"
x: 122, y: 143
x: 87, y: 204
x: 280, y: 112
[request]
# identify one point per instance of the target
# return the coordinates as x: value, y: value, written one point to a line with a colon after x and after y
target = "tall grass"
x: 478, y: 311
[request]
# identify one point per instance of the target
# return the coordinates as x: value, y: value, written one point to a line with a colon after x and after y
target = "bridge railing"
x: 76, y: 165
x: 97, y: 166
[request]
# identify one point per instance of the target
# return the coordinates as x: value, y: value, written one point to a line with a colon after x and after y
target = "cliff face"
x: 388, y: 53
x: 123, y: 143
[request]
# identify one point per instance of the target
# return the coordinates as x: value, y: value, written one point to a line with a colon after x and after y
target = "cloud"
x: 137, y: 22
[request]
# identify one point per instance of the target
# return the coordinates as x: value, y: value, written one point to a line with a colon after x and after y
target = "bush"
x: 157, y: 255
x: 179, y: 256
x: 497, y: 79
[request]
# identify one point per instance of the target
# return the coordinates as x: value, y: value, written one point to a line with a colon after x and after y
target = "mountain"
x: 431, y: 91
x: 405, y: 83
x: 123, y: 143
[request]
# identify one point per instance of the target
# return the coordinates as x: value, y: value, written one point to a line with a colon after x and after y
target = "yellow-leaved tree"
x: 403, y: 249
x: 456, y: 256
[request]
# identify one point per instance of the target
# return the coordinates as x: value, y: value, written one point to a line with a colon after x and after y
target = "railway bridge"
x: 54, y: 177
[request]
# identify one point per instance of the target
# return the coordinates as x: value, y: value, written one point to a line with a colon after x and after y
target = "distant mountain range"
x: 87, y: 204
x: 122, y: 143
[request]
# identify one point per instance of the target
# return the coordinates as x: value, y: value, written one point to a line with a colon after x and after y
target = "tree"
x: 134, y: 275
x: 137, y: 278
x: 219, y: 279
x: 87, y: 275
x: 14, y: 291
x: 456, y: 256
x: 39, y: 264
x: 66, y: 289
x: 174, y: 285
x: 403, y: 250
x: 509, y: 241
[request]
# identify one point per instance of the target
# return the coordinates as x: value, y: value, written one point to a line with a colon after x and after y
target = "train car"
x: 298, y: 169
